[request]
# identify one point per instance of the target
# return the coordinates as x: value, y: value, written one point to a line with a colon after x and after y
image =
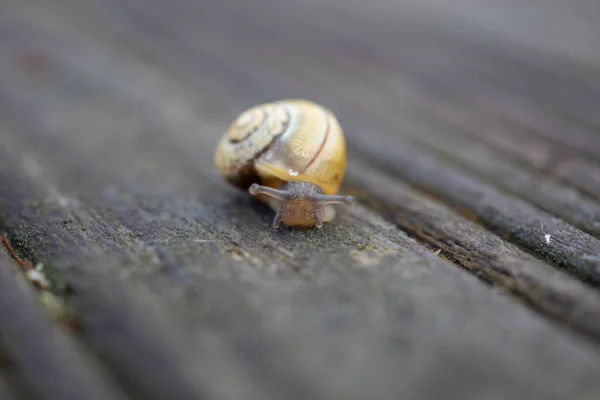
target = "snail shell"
x: 294, y: 147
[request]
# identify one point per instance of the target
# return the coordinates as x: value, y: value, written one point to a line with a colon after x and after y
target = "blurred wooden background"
x: 469, y: 267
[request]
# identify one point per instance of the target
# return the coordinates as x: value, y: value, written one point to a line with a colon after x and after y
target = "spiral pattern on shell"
x: 246, y: 138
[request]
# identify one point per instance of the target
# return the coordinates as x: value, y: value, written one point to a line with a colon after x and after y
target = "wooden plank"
x: 432, y: 96
x: 466, y: 153
x: 307, y: 319
x: 540, y: 87
x: 46, y: 357
x: 472, y: 247
x: 509, y: 217
x: 15, y: 386
x: 174, y: 274
x: 543, y: 155
x: 471, y: 61
x: 5, y: 393
x: 584, y: 216
x: 563, y: 29
x: 307, y: 339
x: 12, y: 384
x: 133, y: 335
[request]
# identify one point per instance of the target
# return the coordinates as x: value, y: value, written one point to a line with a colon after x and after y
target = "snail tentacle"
x: 318, y: 220
x: 277, y: 218
x: 255, y: 189
x: 325, y: 199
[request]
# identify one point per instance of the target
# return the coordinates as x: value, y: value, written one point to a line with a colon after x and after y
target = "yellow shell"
x: 283, y: 141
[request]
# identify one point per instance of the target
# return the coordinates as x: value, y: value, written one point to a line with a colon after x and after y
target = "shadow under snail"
x: 290, y: 154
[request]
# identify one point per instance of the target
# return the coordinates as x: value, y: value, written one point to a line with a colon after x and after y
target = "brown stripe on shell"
x: 327, y: 129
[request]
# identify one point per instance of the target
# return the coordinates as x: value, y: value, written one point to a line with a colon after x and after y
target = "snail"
x: 290, y: 154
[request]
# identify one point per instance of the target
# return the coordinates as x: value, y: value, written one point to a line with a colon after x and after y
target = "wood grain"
x: 5, y: 393
x: 467, y: 244
x: 49, y: 361
x: 440, y: 281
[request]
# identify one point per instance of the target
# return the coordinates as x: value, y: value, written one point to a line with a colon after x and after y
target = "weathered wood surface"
x: 469, y: 267
x: 43, y: 354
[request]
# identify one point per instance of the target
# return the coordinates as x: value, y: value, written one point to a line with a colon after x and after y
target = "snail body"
x: 290, y: 154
